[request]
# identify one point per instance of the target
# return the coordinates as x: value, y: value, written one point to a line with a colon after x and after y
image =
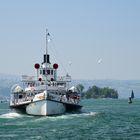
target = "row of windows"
x: 49, y: 72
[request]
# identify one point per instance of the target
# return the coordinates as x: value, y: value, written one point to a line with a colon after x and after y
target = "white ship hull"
x: 45, y: 108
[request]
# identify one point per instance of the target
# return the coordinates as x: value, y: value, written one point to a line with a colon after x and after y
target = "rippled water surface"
x: 106, y: 119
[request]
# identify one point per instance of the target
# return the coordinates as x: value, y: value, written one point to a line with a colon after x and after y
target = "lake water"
x: 100, y: 119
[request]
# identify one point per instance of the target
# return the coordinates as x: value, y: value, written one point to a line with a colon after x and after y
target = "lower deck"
x: 46, y: 107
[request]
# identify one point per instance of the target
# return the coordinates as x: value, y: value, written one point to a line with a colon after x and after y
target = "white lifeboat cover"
x: 17, y: 89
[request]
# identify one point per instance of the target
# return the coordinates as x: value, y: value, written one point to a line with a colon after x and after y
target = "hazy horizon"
x: 93, y: 39
x: 34, y: 74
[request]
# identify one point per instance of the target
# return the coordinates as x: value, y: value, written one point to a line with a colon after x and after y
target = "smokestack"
x: 48, y: 58
x: 44, y: 58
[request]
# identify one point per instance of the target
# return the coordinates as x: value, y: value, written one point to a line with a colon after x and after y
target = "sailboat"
x: 131, y: 97
x: 45, y: 94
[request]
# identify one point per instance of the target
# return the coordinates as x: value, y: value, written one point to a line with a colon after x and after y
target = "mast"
x: 46, y: 59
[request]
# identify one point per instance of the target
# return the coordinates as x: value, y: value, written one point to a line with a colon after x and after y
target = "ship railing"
x: 25, y: 78
x: 71, y: 100
x: 64, y: 78
x: 22, y: 100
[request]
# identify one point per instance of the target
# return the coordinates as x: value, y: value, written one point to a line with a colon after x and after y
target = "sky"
x: 90, y: 39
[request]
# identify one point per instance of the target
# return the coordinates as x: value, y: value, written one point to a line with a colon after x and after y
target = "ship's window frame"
x: 51, y: 72
x: 41, y: 72
x: 48, y: 72
x: 20, y: 96
x: 44, y: 72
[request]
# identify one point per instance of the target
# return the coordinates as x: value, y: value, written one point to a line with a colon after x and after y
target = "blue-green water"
x: 102, y: 119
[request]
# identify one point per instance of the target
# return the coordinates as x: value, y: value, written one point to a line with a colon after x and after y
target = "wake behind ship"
x: 46, y: 93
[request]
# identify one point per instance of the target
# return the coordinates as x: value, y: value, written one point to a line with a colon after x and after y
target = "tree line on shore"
x: 97, y: 92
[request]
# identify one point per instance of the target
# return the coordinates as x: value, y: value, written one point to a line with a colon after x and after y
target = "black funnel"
x: 48, y: 58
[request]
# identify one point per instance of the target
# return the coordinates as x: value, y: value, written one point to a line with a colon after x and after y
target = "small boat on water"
x: 129, y: 100
x: 45, y: 94
x: 131, y: 97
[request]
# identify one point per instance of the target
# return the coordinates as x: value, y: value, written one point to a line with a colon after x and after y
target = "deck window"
x: 48, y: 72
x: 51, y: 72
x: 20, y: 96
x: 44, y: 72
x: 40, y: 71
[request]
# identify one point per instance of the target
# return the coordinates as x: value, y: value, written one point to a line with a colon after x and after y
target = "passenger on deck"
x: 64, y: 98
